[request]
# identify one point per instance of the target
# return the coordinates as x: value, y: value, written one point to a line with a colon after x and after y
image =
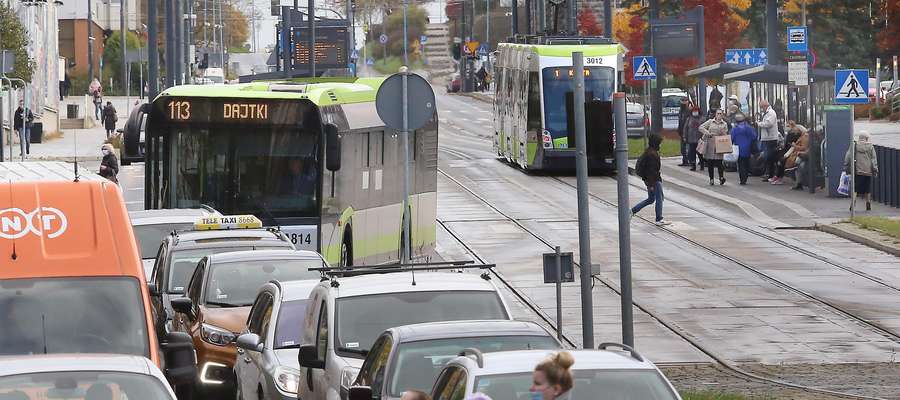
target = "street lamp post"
x: 90, y: 28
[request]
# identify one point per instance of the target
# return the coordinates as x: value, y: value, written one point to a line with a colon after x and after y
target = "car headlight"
x: 217, y: 336
x: 287, y: 379
x: 348, y: 375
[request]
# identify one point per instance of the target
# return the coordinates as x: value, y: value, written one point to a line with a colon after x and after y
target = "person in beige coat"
x: 866, y: 167
x: 710, y: 129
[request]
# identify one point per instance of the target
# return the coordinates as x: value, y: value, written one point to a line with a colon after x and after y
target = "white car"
x: 671, y: 105
x: 82, y: 376
x: 345, y: 316
x: 599, y: 374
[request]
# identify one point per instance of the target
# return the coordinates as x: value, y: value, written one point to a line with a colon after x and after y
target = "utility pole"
x: 170, y: 45
x: 655, y: 98
x: 123, y: 41
x: 701, y: 56
x: 286, y: 40
x: 311, y: 11
x: 463, y: 57
x: 515, y: 18
x: 573, y: 18
x: 607, y: 18
x: 405, y: 36
x: 584, y: 223
x: 528, y: 22
x: 90, y: 32
x: 152, y: 52
x: 624, y: 221
x: 179, y: 40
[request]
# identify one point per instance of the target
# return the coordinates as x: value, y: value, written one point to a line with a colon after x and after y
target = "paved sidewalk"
x: 83, y: 143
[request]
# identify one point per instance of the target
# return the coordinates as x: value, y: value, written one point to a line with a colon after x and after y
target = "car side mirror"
x: 178, y: 350
x: 332, y: 148
x: 249, y: 341
x: 360, y: 393
x: 309, y: 357
x: 183, y: 305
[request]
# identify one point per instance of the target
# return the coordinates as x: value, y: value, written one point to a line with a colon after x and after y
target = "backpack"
x: 640, y: 166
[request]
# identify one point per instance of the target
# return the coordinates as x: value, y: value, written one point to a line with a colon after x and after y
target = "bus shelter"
x: 770, y: 82
x: 716, y: 72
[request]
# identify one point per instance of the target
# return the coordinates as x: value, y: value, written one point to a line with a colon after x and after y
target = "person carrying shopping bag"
x: 713, y: 153
x: 866, y: 167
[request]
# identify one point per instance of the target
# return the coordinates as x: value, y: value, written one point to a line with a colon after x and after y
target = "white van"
x: 345, y: 316
x: 214, y: 75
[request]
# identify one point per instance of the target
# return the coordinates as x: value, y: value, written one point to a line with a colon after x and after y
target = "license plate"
x: 304, y: 237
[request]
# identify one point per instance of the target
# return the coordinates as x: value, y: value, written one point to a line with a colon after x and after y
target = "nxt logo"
x: 43, y: 221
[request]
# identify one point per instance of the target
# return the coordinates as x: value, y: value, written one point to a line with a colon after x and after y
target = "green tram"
x: 313, y: 159
x: 534, y: 126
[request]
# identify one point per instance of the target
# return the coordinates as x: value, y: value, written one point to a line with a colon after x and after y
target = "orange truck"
x: 71, y: 279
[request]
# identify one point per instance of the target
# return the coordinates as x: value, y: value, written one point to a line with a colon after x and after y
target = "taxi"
x: 216, y: 304
x: 152, y: 226
x: 71, y: 279
x: 180, y: 252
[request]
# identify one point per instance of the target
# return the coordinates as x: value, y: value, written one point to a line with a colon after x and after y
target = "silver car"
x: 266, y: 365
x: 82, y: 376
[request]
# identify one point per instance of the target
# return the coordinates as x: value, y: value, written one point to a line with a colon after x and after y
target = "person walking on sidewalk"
x: 23, y: 121
x: 768, y: 137
x: 109, y: 166
x: 866, y: 167
x: 684, y: 111
x: 648, y: 168
x: 691, y: 135
x: 96, y: 92
x: 109, y: 119
x: 744, y: 136
x: 711, y: 129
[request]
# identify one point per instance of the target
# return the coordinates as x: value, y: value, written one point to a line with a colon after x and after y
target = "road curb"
x: 836, y: 230
x: 69, y: 159
x: 477, y: 96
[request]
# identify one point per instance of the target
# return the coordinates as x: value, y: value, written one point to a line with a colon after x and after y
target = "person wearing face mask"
x: 710, y: 130
x: 691, y: 135
x: 743, y: 136
x: 109, y: 166
x: 552, y: 378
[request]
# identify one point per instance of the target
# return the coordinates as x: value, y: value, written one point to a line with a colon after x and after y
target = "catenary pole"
x: 624, y: 219
x: 607, y: 18
x: 123, y: 41
x: 152, y: 51
x: 170, y: 37
x: 90, y: 33
x: 404, y: 257
x: 311, y: 9
x: 584, y: 224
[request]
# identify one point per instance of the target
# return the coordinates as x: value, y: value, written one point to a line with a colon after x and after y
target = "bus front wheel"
x: 346, y: 252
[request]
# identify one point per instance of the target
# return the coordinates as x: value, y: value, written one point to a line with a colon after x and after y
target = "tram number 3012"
x: 299, y: 238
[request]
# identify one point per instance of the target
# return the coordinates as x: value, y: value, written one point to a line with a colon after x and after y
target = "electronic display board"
x: 330, y: 47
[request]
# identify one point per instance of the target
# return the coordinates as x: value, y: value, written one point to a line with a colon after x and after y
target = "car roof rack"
x: 333, y: 273
x: 634, y: 354
x: 471, y: 351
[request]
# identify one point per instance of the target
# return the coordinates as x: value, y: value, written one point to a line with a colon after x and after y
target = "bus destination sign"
x: 204, y: 110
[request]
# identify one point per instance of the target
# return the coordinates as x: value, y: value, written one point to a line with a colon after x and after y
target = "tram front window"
x: 263, y: 170
x: 559, y: 87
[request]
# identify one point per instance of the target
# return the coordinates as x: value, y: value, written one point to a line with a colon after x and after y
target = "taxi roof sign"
x: 227, y: 222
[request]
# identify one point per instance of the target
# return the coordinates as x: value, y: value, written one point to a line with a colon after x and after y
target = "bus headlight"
x: 287, y: 379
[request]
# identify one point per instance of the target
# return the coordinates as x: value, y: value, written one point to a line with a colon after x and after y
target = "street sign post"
x: 851, y: 86
x: 558, y: 269
x: 482, y: 50
x: 798, y: 73
x: 423, y: 39
x: 797, y: 39
x: 644, y: 68
x: 746, y: 56
x: 416, y: 100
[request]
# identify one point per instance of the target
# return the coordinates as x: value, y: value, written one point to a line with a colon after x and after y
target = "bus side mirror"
x: 332, y: 148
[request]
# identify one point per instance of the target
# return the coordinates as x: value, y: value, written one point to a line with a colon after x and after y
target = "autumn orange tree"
x: 888, y: 39
x: 587, y: 23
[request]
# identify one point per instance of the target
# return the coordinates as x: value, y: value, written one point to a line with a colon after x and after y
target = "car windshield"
x: 635, y: 384
x: 362, y: 318
x: 672, y: 101
x: 418, y: 363
x: 559, y: 86
x: 86, y: 385
x: 185, y: 261
x: 290, y: 320
x: 72, y: 315
x: 234, y: 284
x: 149, y: 237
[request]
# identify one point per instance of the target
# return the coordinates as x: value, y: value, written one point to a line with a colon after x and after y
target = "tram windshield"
x: 559, y: 86
x: 268, y: 170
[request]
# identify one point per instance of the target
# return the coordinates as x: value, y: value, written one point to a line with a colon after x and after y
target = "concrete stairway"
x: 437, y: 51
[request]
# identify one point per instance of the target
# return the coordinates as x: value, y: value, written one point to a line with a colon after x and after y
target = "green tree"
x: 416, y: 18
x: 13, y: 36
x: 112, y: 60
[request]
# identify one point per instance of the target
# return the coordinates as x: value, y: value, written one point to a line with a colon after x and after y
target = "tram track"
x: 686, y: 336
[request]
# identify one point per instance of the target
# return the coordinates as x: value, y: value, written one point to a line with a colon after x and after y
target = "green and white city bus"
x: 313, y: 159
x: 533, y: 112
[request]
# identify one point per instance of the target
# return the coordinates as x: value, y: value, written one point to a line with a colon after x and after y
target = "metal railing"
x: 886, y: 185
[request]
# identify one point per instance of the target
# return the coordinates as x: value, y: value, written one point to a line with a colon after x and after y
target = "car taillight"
x: 547, y: 139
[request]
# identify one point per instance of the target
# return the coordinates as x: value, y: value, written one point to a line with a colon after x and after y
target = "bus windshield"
x: 559, y: 84
x: 267, y: 170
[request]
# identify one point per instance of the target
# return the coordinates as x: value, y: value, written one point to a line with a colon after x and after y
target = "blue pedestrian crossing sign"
x: 851, y: 86
x: 644, y: 68
x: 354, y: 55
x: 482, y: 50
x: 423, y: 39
x: 370, y: 61
x: 747, y: 56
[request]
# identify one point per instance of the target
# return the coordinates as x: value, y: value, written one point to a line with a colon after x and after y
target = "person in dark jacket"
x: 683, y: 113
x: 109, y: 118
x: 648, y: 168
x: 692, y: 135
x: 743, y: 135
x: 23, y: 121
x: 109, y: 166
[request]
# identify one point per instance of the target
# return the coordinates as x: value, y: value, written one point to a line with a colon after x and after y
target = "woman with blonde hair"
x: 109, y: 165
x: 552, y: 378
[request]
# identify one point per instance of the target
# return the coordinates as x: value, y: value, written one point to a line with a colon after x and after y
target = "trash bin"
x: 37, y: 132
x: 72, y: 111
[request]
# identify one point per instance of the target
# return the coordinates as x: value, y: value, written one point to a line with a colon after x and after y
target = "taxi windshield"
x: 82, y: 385
x: 362, y: 318
x: 72, y: 315
x: 185, y: 261
x: 234, y: 284
x: 622, y: 384
x: 418, y: 363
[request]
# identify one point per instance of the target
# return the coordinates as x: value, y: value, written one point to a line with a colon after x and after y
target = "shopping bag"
x: 701, y: 146
x: 723, y: 144
x: 844, y: 186
x: 733, y: 156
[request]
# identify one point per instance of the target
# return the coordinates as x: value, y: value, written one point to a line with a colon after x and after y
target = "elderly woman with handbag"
x: 715, y: 135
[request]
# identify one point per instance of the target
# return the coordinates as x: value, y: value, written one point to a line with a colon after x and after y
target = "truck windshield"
x: 559, y: 85
x: 362, y: 318
x: 267, y: 170
x: 72, y: 315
